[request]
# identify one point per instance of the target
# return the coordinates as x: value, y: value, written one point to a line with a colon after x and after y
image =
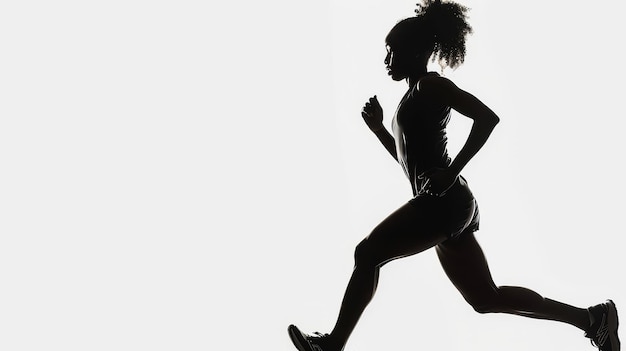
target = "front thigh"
x: 405, y: 232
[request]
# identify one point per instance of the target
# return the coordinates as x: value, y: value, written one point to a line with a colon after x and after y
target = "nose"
x: 387, y: 59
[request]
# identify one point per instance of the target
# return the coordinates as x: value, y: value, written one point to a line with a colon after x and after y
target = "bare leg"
x: 465, y: 264
x: 397, y: 236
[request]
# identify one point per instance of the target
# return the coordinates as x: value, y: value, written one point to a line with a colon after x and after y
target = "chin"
x: 395, y: 76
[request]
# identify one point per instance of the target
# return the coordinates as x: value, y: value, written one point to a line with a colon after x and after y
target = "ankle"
x: 334, y: 343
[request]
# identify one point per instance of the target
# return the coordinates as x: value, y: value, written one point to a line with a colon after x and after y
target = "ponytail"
x: 447, y: 25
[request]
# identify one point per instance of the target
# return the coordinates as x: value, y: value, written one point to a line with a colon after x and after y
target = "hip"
x: 453, y: 212
x: 459, y: 191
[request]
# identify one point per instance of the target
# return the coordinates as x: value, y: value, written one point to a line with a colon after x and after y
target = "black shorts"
x: 454, y: 213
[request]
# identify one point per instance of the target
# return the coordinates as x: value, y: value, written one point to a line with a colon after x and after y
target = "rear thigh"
x: 466, y: 266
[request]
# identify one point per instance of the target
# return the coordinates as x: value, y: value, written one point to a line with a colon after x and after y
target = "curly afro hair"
x: 440, y: 26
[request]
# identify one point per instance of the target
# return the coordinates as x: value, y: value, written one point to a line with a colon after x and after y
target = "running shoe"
x: 603, y: 329
x: 304, y: 342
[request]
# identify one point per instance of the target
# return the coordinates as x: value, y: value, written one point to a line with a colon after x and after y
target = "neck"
x: 416, y: 75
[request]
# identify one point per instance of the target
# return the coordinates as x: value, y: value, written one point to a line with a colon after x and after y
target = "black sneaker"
x: 304, y: 342
x: 603, y: 329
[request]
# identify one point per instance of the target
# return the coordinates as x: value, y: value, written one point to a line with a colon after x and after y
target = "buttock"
x: 453, y: 213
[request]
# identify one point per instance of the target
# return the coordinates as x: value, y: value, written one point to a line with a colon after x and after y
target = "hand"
x: 372, y: 114
x: 438, y: 181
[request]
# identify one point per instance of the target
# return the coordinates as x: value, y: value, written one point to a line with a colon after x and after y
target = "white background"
x: 185, y: 175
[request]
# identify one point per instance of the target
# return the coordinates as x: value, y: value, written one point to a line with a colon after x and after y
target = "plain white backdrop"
x: 194, y: 175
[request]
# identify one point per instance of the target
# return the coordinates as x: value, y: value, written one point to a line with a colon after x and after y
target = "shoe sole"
x: 299, y: 341
x: 613, y: 325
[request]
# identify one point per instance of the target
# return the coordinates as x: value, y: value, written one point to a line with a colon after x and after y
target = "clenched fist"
x: 372, y: 114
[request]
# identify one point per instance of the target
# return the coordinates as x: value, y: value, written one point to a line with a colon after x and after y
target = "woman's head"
x: 439, y: 30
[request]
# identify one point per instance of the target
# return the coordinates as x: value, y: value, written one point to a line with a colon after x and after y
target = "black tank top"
x: 419, y: 128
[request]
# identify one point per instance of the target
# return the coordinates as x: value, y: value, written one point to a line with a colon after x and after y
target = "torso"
x: 419, y: 128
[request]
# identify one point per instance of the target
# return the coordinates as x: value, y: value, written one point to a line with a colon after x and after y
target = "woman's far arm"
x: 372, y: 114
x: 387, y: 140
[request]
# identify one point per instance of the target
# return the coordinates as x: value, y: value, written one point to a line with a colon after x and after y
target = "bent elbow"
x: 493, y: 119
x: 488, y: 121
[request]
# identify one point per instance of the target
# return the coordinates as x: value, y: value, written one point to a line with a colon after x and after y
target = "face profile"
x: 409, y: 47
x: 398, y: 63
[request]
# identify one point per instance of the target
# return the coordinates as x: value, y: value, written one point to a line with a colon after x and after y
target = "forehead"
x: 395, y: 43
x: 403, y: 35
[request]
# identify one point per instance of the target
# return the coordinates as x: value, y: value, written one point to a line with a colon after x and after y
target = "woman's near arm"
x: 373, y: 116
x: 485, y: 120
x: 465, y: 103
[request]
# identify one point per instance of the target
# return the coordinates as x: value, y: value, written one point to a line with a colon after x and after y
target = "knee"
x: 487, y: 303
x: 364, y: 254
x: 483, y: 308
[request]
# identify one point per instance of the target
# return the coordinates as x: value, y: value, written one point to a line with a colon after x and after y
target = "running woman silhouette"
x: 443, y: 212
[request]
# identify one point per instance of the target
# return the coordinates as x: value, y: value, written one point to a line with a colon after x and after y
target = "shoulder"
x: 445, y: 92
x: 435, y: 85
